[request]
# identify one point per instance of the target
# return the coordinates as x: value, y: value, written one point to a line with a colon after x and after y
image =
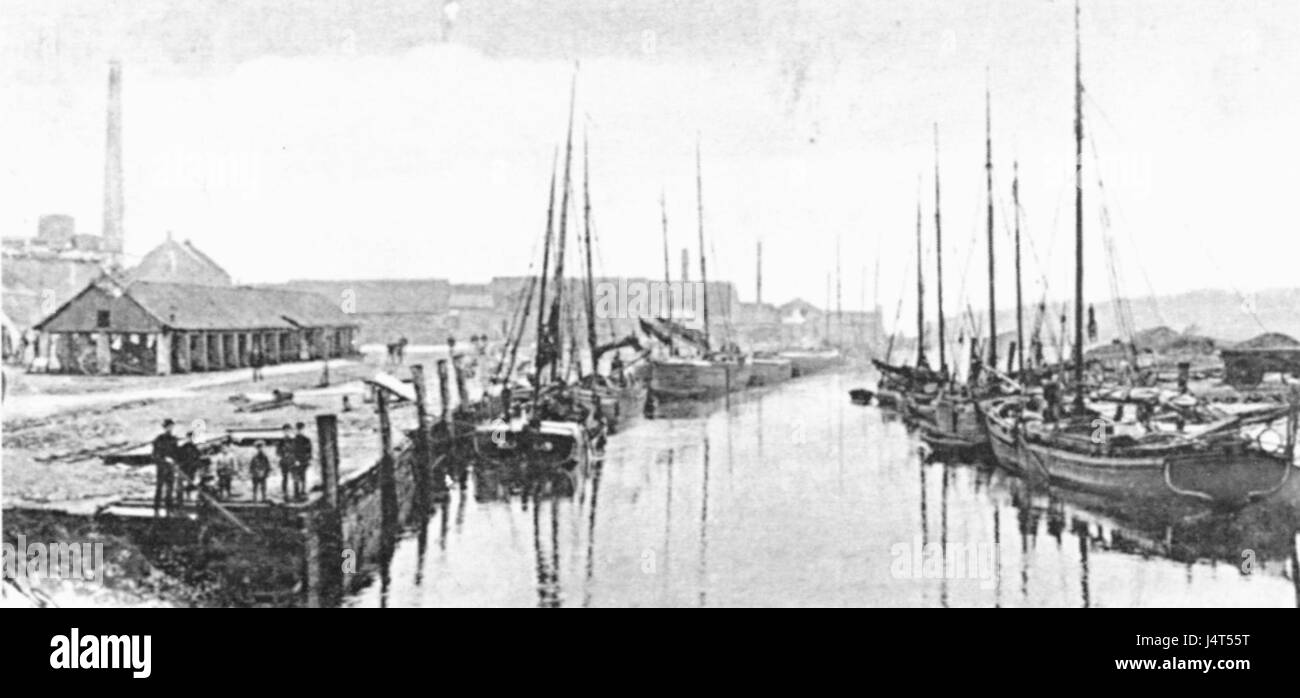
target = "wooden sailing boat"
x: 768, y: 368
x: 549, y: 432
x: 911, y: 389
x: 956, y: 427
x: 619, y: 395
x: 711, y: 374
x: 1177, y: 449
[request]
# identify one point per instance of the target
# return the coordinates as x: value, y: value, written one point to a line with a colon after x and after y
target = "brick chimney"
x: 113, y: 199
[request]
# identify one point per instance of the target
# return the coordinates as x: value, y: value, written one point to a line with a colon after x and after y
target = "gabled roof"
x: 195, y: 307
x: 179, y: 262
x: 199, y: 307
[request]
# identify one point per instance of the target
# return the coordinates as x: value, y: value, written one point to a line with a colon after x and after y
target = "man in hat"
x: 164, y: 461
x: 302, y: 458
x: 286, y: 454
x: 258, y: 469
x: 190, y: 462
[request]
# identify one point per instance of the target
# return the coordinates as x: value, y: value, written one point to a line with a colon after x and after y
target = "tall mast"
x: 591, y: 279
x: 663, y: 211
x: 546, y: 267
x: 704, y: 272
x: 920, y: 289
x: 758, y: 291
x: 564, y: 221
x: 1078, y: 213
x: 938, y: 253
x: 1020, y: 312
x: 839, y: 298
x: 988, y: 167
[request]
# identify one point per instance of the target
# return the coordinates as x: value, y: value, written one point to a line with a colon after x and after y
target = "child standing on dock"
x: 259, y: 468
x: 286, y: 453
x: 226, y: 466
x: 302, y: 453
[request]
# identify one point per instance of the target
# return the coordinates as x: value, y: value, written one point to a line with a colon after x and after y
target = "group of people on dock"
x: 184, y: 473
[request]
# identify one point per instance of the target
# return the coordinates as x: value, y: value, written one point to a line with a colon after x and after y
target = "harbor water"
x: 795, y: 497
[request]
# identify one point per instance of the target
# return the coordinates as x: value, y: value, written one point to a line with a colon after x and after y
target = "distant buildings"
x: 41, y: 273
x: 431, y: 310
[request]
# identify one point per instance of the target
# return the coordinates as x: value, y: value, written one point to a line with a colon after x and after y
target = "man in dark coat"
x: 256, y: 361
x: 258, y: 468
x: 164, y: 461
x: 286, y: 454
x: 302, y: 454
x: 190, y: 462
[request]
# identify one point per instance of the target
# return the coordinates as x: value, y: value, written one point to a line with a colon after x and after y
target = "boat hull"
x: 619, y: 405
x: 546, y: 449
x: 697, y: 380
x: 888, y: 398
x: 808, y: 363
x: 956, y: 428
x: 1230, y: 475
x: 764, y: 372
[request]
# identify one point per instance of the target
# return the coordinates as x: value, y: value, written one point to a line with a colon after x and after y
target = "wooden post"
x: 462, y: 392
x: 327, y: 536
x: 219, y: 355
x: 182, y: 342
x: 387, y: 469
x: 103, y: 353
x: 327, y: 435
x: 162, y: 353
x: 427, y: 483
x: 444, y: 391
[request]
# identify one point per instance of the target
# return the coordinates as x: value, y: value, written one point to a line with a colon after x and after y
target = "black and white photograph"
x: 483, y: 304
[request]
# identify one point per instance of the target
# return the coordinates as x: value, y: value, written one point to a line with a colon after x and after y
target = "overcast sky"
x: 342, y: 139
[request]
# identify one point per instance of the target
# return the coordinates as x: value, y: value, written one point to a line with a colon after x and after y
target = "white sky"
x: 432, y: 160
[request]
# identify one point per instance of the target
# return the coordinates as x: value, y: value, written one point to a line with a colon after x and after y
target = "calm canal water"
x: 795, y: 497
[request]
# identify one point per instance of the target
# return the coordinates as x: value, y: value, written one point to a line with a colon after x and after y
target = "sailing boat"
x: 1177, y: 448
x: 618, y: 396
x: 956, y: 427
x: 710, y: 374
x: 549, y: 432
x: 913, y: 389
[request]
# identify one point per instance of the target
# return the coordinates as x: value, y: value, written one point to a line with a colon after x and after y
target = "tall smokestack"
x: 113, y: 200
x: 686, y: 265
x: 759, y: 293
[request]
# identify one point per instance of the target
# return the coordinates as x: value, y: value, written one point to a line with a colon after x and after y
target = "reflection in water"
x: 805, y: 510
x: 704, y: 520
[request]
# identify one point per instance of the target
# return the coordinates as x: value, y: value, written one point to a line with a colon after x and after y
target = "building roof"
x: 199, y: 307
x: 179, y: 262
